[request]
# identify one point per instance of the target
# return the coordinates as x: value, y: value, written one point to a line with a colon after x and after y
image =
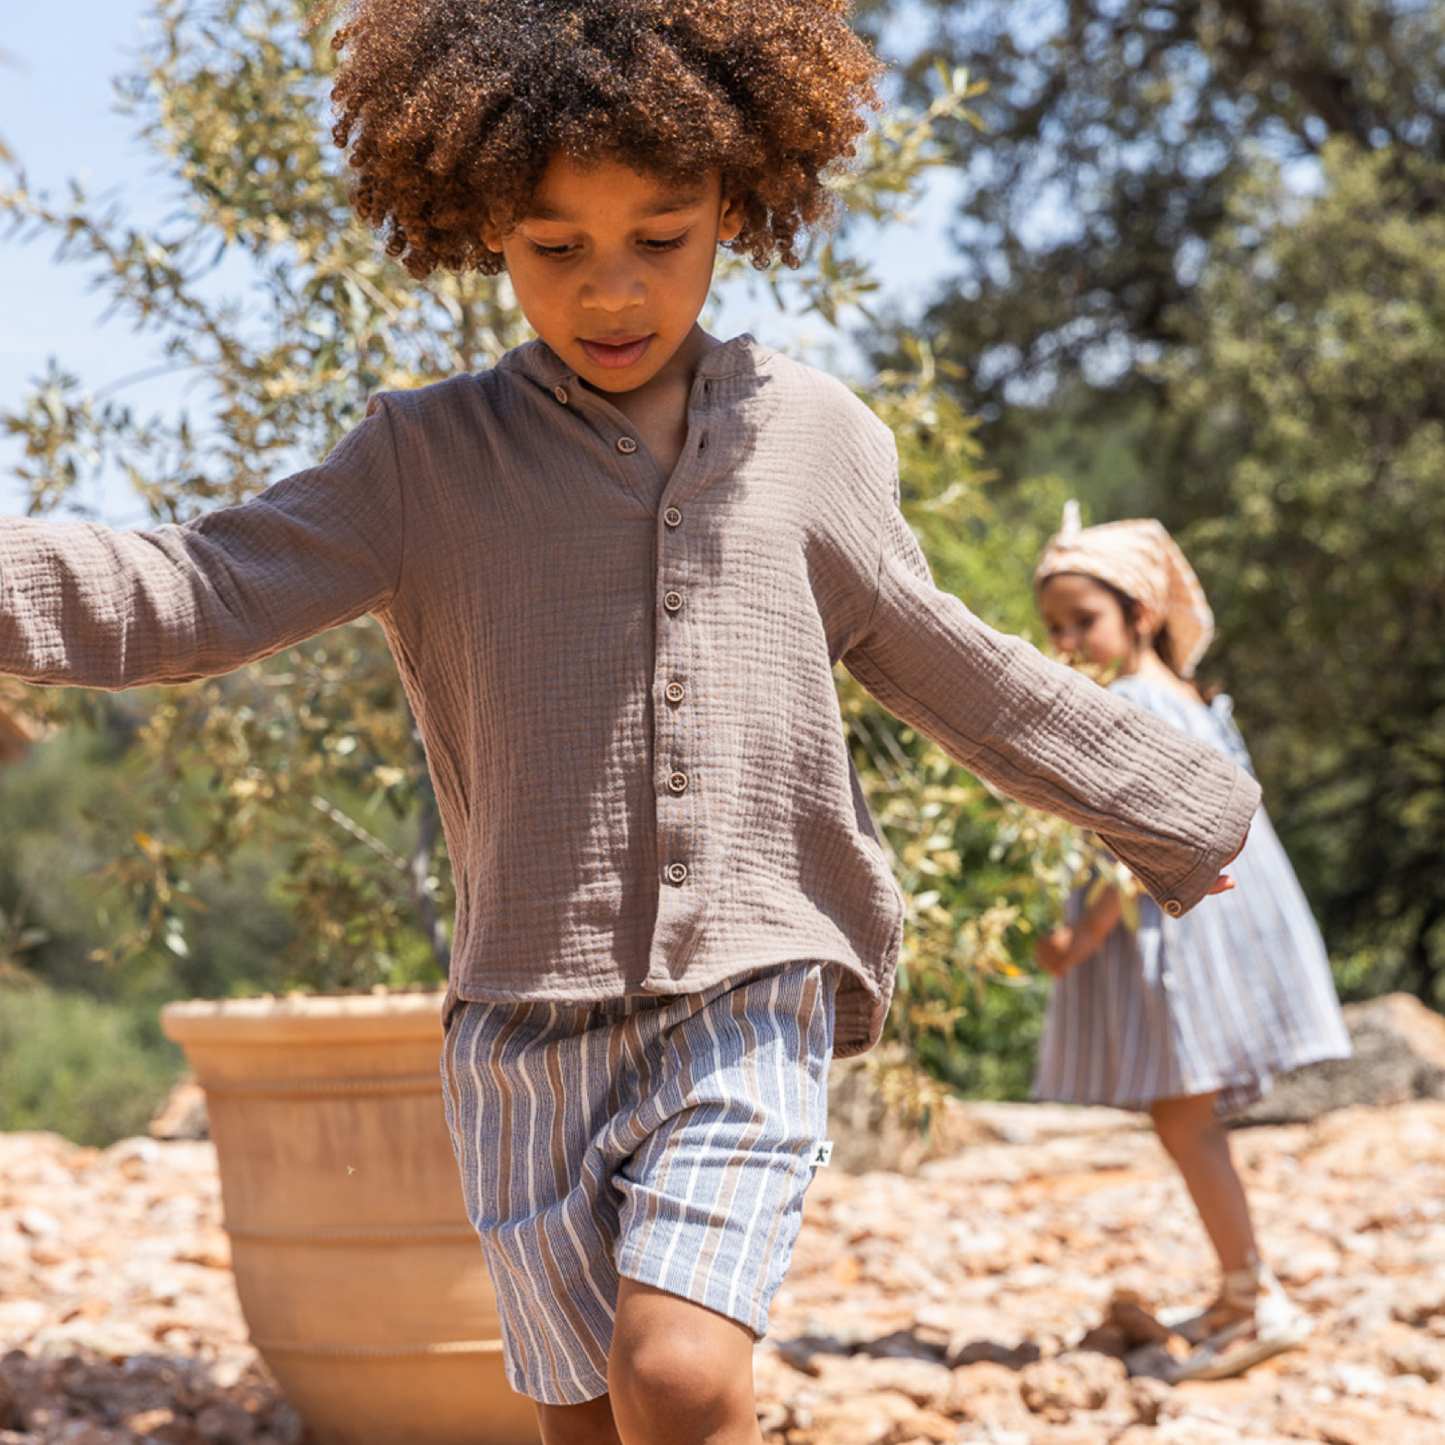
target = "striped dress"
x: 1220, y: 1000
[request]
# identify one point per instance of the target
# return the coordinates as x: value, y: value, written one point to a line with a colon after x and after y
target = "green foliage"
x: 92, y: 1071
x: 1311, y: 401
x: 69, y: 921
x: 980, y: 875
x: 1115, y: 132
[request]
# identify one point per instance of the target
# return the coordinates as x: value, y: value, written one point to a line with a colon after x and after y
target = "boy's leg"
x: 589, y: 1424
x: 679, y: 1375
x: 636, y: 1172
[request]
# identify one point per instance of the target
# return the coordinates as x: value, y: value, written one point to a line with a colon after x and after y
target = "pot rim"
x: 298, y: 1017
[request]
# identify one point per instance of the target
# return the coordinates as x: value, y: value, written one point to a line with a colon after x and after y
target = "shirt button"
x: 677, y: 782
x: 672, y: 601
x: 1174, y: 908
x: 560, y: 392
x: 626, y: 445
x: 672, y: 517
x: 673, y: 692
x: 676, y: 872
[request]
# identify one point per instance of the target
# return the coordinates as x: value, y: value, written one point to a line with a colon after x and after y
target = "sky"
x: 57, y: 117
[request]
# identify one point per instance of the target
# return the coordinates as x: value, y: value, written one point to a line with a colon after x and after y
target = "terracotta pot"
x: 361, y: 1280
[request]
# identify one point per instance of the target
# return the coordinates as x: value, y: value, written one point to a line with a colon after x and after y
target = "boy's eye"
x: 669, y: 243
x: 555, y: 253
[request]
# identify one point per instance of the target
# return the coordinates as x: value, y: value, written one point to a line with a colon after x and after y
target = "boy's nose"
x: 613, y: 287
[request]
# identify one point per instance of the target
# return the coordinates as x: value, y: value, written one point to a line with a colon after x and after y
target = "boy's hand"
x: 1224, y: 882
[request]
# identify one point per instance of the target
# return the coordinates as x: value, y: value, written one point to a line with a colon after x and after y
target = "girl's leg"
x: 1252, y: 1319
x: 1190, y: 1131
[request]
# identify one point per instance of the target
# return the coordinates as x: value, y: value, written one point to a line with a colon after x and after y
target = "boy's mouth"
x: 617, y: 352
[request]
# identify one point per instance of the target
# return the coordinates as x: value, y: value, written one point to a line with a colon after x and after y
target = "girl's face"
x: 1087, y: 625
x: 611, y: 267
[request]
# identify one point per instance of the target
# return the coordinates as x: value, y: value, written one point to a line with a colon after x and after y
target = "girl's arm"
x: 1071, y: 944
x: 90, y: 606
x: 1170, y: 808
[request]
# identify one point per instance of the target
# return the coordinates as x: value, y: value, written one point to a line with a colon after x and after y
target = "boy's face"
x: 611, y: 267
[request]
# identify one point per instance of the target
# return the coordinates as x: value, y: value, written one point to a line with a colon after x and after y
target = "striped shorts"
x: 667, y: 1139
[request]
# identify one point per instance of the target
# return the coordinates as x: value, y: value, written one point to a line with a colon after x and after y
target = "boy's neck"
x: 658, y: 408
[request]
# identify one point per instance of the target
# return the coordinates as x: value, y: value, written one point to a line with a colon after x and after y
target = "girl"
x: 616, y: 571
x: 1185, y: 1017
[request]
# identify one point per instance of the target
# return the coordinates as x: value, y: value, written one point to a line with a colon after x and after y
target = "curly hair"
x: 452, y: 109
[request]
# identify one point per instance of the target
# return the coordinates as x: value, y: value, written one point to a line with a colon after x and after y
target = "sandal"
x: 1234, y: 1302
x: 1251, y: 1321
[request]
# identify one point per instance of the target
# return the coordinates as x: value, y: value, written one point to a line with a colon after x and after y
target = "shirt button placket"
x: 676, y: 871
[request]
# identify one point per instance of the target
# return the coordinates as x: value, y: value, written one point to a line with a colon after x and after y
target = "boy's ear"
x: 730, y: 223
x: 1146, y: 622
x: 491, y: 235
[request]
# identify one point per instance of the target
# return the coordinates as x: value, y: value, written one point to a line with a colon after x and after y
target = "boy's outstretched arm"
x: 90, y: 606
x: 1172, y: 809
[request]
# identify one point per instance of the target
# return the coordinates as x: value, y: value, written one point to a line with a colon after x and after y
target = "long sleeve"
x: 1169, y: 807
x: 87, y: 605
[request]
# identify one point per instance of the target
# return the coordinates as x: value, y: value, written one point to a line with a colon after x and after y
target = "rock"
x: 923, y: 1381
x: 920, y: 1309
x: 907, y: 1345
x: 1186, y: 1432
x: 1147, y: 1399
x: 1414, y: 1354
x: 1106, y: 1340
x: 987, y: 1396
x: 1133, y: 1319
x: 38, y: 1223
x: 1057, y: 1388
x: 182, y: 1114
x: 1399, y: 1055
x: 1150, y: 1362
x: 854, y: 1420
x: 924, y: 1427
x: 973, y: 1352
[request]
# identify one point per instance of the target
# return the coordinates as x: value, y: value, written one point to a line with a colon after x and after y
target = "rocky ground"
x: 966, y: 1301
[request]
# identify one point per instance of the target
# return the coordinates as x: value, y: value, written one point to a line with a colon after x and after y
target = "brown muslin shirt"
x: 624, y: 679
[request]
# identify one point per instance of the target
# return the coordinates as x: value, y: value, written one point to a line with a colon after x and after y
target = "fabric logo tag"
x: 822, y: 1154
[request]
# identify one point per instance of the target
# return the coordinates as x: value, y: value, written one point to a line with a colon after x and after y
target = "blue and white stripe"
x: 665, y: 1139
x: 1218, y: 1001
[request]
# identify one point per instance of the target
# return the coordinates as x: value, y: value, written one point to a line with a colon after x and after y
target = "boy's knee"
x: 676, y: 1374
x: 679, y: 1372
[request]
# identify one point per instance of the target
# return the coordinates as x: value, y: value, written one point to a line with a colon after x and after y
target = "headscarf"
x: 1144, y: 562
